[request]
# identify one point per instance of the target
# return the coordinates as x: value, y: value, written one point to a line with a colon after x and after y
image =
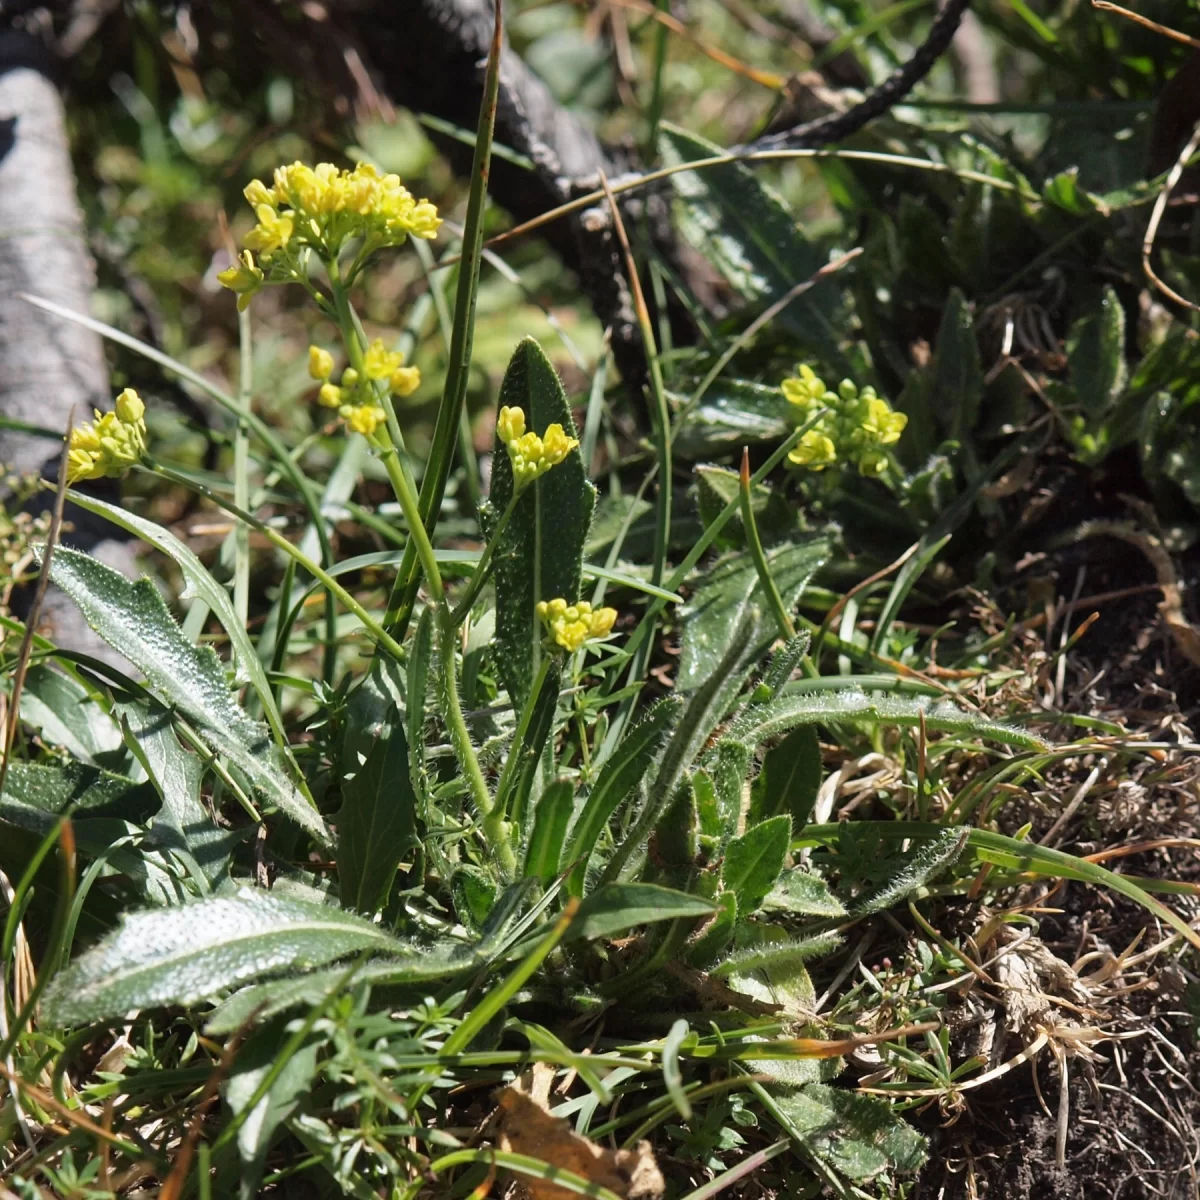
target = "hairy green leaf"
x: 36, y: 795
x: 762, y: 721
x: 170, y: 956
x: 957, y: 381
x: 199, y: 583
x: 754, y: 860
x: 730, y: 596
x: 1096, y: 355
x: 731, y: 414
x: 857, y: 1135
x: 746, y: 231
x: 61, y: 710
x: 255, y: 1059
x: 790, y: 778
x: 619, y: 776
x: 376, y: 821
x: 771, y: 955
x: 540, y: 553
x: 132, y: 618
x: 930, y: 860
x: 183, y: 824
x: 806, y: 895
x: 553, y: 815
x: 618, y: 907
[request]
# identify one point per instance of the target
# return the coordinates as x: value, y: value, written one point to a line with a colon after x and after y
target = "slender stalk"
x: 446, y: 432
x: 421, y: 549
x: 655, y: 109
x: 787, y: 627
x: 381, y: 636
x: 241, y: 470
x: 456, y: 723
x: 512, y: 764
x: 484, y: 567
x: 660, y: 413
x: 466, y: 446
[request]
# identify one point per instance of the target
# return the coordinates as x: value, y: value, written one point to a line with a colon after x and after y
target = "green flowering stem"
x: 241, y: 471
x: 512, y: 764
x: 331, y: 585
x: 454, y: 396
x: 787, y: 627
x: 647, y: 624
x: 456, y: 723
x: 484, y: 567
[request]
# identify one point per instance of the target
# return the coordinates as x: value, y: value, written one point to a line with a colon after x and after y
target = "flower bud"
x: 320, y: 363
x: 129, y: 407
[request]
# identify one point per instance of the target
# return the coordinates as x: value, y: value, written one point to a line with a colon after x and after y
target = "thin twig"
x: 31, y: 618
x: 1073, y: 807
x: 1146, y: 23
x: 1160, y: 207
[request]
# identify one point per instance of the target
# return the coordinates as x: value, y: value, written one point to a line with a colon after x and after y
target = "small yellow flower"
x: 510, y: 424
x: 363, y: 418
x: 257, y: 192
x: 320, y: 363
x: 111, y: 444
x: 349, y: 379
x: 815, y: 450
x: 531, y: 456
x: 884, y: 425
x: 330, y: 396
x: 404, y: 381
x: 273, y: 231
x: 806, y: 390
x: 244, y: 279
x: 571, y: 625
x: 129, y: 408
x: 379, y: 362
x: 603, y: 620
x: 556, y: 445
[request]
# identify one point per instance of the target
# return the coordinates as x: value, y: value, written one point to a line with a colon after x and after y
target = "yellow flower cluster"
x: 321, y: 208
x: 857, y: 427
x: 356, y: 397
x: 531, y: 456
x: 112, y: 443
x: 570, y: 625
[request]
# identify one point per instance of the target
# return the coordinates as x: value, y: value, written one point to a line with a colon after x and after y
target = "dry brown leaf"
x: 525, y: 1126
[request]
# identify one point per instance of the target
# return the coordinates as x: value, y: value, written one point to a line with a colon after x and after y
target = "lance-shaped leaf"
x: 257, y: 1058
x: 202, y: 585
x: 746, y: 231
x: 378, y: 814
x: 183, y: 823
x: 957, y: 382
x: 540, y: 554
x: 1096, y: 355
x: 60, y: 709
x: 550, y: 822
x: 790, y: 778
x: 859, y: 1136
x: 171, y: 956
x: 133, y: 619
x: 734, y: 413
x: 761, y: 721
x: 754, y: 860
x: 726, y: 598
x: 623, y: 772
